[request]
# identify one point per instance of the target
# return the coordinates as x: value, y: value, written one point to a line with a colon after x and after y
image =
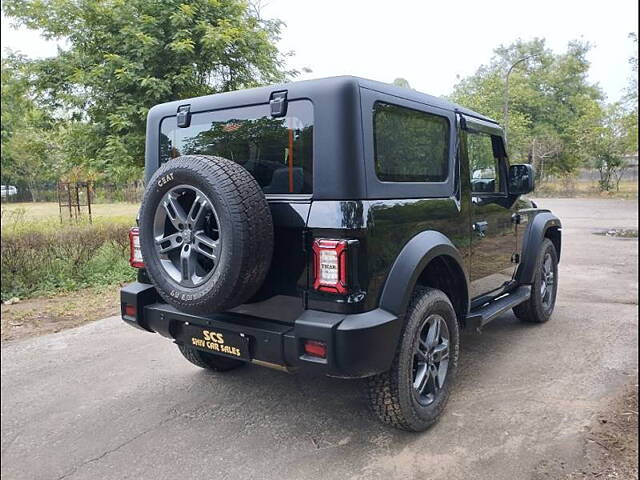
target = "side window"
x: 410, y: 146
x: 483, y: 164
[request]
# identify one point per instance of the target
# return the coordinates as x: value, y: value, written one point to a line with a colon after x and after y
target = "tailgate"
x: 283, y: 292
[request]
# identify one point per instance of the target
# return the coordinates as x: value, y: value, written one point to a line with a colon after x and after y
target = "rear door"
x: 494, y: 240
x: 278, y: 152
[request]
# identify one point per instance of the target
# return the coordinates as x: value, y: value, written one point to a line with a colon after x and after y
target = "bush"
x: 44, y: 258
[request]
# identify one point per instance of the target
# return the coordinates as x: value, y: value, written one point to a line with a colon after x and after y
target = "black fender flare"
x: 532, y: 238
x: 410, y: 263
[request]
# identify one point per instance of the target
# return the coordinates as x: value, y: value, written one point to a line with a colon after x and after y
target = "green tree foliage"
x: 629, y: 103
x: 28, y: 149
x: 553, y: 109
x: 402, y: 82
x: 15, y: 101
x: 124, y: 56
x: 609, y: 145
x: 616, y: 137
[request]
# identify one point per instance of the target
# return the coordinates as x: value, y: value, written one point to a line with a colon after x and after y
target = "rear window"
x: 410, y: 146
x: 278, y: 152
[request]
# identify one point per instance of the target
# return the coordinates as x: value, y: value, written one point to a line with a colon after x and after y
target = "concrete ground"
x: 108, y: 401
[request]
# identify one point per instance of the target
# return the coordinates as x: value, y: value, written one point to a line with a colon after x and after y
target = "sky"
x: 429, y: 43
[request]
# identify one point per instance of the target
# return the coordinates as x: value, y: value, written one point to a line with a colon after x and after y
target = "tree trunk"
x: 32, y: 189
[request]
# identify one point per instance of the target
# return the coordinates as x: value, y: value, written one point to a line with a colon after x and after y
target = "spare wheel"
x: 206, y: 233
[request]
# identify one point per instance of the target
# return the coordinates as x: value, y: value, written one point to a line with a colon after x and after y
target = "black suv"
x: 341, y: 226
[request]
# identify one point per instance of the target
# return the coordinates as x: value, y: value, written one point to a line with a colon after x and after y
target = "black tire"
x: 391, y: 394
x: 209, y: 361
x: 243, y: 223
x: 536, y: 309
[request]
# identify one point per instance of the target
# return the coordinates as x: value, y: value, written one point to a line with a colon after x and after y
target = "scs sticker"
x: 214, y: 341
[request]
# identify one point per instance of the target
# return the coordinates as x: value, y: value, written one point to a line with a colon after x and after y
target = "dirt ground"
x: 610, y: 443
x: 42, y: 315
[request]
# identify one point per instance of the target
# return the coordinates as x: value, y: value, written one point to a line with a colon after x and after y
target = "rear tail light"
x: 330, y: 265
x: 314, y: 348
x: 135, y: 259
x: 130, y: 310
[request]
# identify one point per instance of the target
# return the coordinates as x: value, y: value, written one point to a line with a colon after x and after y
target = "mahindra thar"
x: 342, y: 226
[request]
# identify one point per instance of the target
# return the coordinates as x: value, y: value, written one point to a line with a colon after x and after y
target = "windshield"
x: 278, y: 152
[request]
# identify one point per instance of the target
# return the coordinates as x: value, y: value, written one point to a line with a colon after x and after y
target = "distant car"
x: 9, y: 191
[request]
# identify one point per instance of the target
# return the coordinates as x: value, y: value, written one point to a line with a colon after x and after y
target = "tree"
x: 402, y: 82
x: 608, y: 147
x: 125, y: 56
x: 31, y: 151
x: 14, y: 98
x: 27, y: 155
x: 631, y: 94
x: 629, y: 103
x: 551, y: 103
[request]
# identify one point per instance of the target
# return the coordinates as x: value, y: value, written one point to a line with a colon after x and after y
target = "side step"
x: 484, y: 314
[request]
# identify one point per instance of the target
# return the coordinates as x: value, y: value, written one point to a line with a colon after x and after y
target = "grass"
x: 49, y: 211
x: 42, y: 256
x: 570, y: 188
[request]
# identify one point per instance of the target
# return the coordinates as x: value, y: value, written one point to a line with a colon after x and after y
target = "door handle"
x: 481, y: 228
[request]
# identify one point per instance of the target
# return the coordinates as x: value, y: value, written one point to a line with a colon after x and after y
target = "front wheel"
x: 539, y: 307
x: 413, y: 393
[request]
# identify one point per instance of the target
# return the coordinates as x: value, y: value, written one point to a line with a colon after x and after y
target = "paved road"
x: 108, y: 401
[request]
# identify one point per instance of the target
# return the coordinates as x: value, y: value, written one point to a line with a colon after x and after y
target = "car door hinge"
x: 183, y: 116
x: 516, y: 218
x: 278, y: 104
x: 515, y: 258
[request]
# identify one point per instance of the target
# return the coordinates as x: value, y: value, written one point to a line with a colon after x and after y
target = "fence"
x: 132, y: 192
x: 591, y: 175
x: 101, y: 192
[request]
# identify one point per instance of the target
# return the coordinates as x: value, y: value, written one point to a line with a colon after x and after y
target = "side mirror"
x: 522, y: 179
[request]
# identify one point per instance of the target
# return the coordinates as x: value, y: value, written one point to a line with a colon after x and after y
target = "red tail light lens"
x: 130, y: 310
x: 135, y: 259
x: 314, y: 348
x: 330, y: 265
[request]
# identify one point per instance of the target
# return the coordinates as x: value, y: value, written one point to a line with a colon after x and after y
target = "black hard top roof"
x: 419, y: 97
x: 306, y: 89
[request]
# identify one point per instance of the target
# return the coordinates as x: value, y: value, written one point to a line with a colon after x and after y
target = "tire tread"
x: 532, y: 311
x: 383, y: 390
x: 251, y: 222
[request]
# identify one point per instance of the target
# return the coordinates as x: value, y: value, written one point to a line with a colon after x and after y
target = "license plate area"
x: 215, y: 340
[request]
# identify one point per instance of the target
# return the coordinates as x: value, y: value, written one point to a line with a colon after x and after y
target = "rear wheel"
x: 209, y: 361
x: 539, y: 307
x: 413, y: 393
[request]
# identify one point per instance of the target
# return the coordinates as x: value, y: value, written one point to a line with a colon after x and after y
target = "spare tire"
x: 206, y: 233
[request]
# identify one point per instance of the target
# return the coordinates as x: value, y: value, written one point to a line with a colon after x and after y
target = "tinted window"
x: 483, y: 164
x: 278, y: 152
x: 410, y: 146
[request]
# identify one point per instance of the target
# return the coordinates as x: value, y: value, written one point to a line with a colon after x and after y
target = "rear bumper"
x: 358, y: 345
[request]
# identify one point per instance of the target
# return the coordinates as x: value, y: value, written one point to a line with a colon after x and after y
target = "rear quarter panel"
x: 383, y: 228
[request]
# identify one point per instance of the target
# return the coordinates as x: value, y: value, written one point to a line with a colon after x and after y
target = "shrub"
x: 45, y: 257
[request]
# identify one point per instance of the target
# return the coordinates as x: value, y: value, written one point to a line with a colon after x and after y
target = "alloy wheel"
x: 430, y: 359
x: 187, y: 235
x: 547, y: 283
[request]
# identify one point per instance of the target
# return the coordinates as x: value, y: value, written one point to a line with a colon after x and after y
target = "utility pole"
x: 506, y: 92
